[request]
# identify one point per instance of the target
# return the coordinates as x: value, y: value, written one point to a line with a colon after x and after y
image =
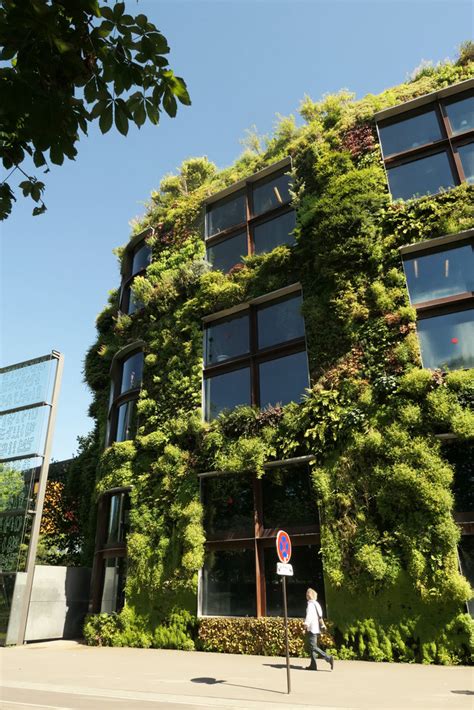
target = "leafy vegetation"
x: 381, y: 476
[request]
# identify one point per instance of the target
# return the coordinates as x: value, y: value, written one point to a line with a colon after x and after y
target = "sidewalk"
x: 63, y: 674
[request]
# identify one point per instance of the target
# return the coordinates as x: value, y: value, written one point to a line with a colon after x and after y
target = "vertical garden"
x: 381, y: 476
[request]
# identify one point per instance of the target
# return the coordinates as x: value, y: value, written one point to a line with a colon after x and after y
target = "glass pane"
x: 308, y: 572
x: 134, y: 303
x: 447, y: 341
x: 7, y: 586
x: 461, y: 115
x: 425, y: 176
x: 283, y: 380
x: 460, y: 454
x: 279, y: 322
x: 25, y: 384
x: 228, y: 583
x: 118, y: 517
x: 466, y: 153
x: 270, y: 193
x: 141, y: 259
x: 132, y: 371
x: 274, y: 232
x: 466, y: 558
x: 113, y: 591
x: 226, y: 213
x: 224, y: 255
x: 439, y: 275
x: 228, y: 504
x: 16, y: 499
x: 288, y: 498
x: 126, y: 421
x: 226, y: 339
x: 410, y: 133
x: 226, y: 391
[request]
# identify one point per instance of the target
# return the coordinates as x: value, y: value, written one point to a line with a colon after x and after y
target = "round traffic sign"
x: 283, y: 545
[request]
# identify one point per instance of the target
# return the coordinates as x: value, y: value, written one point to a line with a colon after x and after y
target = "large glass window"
x: 447, y: 340
x: 425, y: 176
x: 225, y: 214
x: 126, y: 380
x: 461, y: 115
x: 460, y: 454
x: 113, y: 588
x: 225, y: 254
x: 126, y: 420
x: 270, y: 193
x: 228, y: 583
x: 258, y: 376
x: 118, y: 518
x: 132, y: 370
x: 242, y: 514
x: 141, y: 258
x: 466, y: 560
x: 466, y: 153
x: 441, y: 274
x: 431, y: 149
x: 274, y: 232
x: 410, y: 133
x: 136, y: 261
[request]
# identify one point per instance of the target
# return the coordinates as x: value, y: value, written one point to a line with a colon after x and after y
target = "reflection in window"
x: 226, y: 213
x: 280, y: 322
x: 117, y: 526
x: 126, y: 421
x: 466, y: 153
x: 461, y: 115
x: 284, y: 379
x: 228, y: 583
x: 274, y: 233
x: 270, y: 193
x: 228, y: 504
x: 460, y: 454
x: 226, y: 254
x: 132, y: 371
x: 447, y: 341
x: 113, y: 590
x: 223, y: 392
x: 425, y: 176
x: 226, y: 339
x: 308, y: 572
x: 439, y: 275
x: 141, y: 259
x: 134, y: 303
x: 288, y: 497
x: 466, y: 560
x: 410, y: 133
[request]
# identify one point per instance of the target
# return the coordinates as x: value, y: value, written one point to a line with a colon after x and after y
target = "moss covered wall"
x: 370, y: 419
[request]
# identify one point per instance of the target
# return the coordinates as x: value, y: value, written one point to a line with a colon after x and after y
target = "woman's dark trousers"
x: 315, y: 650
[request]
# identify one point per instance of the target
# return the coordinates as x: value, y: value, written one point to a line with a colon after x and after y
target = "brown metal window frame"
x: 255, y: 356
x: 448, y: 143
x: 104, y: 551
x: 252, y: 220
x: 301, y: 535
x: 129, y: 395
x: 127, y: 277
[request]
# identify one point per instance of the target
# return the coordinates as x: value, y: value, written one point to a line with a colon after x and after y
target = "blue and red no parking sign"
x: 283, y: 545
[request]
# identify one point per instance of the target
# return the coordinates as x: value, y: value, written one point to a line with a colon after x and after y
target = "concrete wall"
x: 58, y: 605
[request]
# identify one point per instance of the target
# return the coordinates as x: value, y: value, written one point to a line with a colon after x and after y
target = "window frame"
x: 448, y: 143
x: 262, y: 538
x: 129, y: 395
x: 135, y: 244
x: 283, y: 167
x: 255, y: 356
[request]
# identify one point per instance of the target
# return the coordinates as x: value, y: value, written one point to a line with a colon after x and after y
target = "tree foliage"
x: 68, y: 63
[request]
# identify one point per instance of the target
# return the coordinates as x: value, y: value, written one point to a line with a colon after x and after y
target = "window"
x: 256, y: 355
x: 466, y: 563
x: 109, y: 573
x: 460, y: 454
x: 126, y: 379
x: 242, y: 515
x: 136, y: 260
x: 440, y: 280
x: 428, y: 148
x: 254, y: 219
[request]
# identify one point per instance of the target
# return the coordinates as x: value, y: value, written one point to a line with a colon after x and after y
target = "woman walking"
x: 314, y: 625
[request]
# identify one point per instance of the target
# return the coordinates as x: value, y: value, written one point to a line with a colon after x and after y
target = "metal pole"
x: 43, y: 479
x: 285, y: 609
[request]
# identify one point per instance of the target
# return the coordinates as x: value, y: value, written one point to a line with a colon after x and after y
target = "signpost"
x: 284, y: 569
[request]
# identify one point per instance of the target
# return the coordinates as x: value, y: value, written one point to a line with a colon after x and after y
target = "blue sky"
x: 244, y: 61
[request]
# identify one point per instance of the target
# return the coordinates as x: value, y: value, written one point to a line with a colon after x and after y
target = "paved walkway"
x: 64, y: 675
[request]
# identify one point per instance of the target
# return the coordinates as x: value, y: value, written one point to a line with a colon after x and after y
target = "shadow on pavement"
x: 463, y: 692
x: 295, y: 668
x: 214, y: 681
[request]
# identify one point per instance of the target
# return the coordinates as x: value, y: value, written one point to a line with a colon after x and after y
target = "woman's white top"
x: 311, y: 622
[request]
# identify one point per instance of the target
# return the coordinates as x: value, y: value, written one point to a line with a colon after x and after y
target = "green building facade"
x: 292, y: 347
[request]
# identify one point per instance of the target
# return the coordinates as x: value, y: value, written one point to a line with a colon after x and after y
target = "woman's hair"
x: 311, y: 594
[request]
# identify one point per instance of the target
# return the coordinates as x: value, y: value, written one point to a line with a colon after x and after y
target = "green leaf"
x: 56, y: 154
x: 139, y: 115
x: 26, y: 186
x: 106, y: 12
x: 106, y: 119
x: 121, y: 120
x: 98, y: 109
x: 39, y: 210
x: 160, y: 44
x: 90, y: 91
x: 152, y: 112
x: 38, y: 158
x: 119, y: 9
x: 169, y: 103
x: 141, y: 21
x: 180, y: 91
